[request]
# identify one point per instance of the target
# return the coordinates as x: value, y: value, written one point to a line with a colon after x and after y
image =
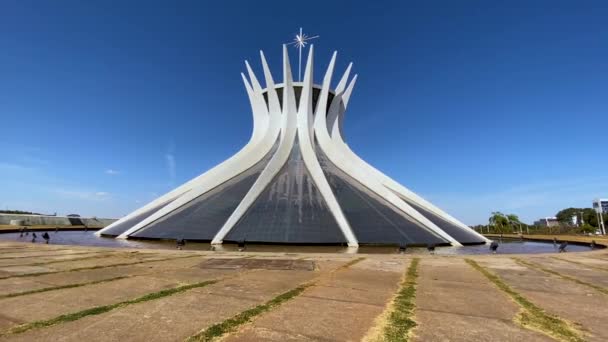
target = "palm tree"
x: 498, y: 219
x: 514, y: 219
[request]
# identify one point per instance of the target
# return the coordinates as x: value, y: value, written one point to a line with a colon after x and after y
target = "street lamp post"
x: 597, y: 205
x: 520, y: 231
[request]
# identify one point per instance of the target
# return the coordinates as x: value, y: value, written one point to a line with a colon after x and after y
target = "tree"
x: 586, y: 228
x: 514, y: 221
x: 513, y: 218
x: 587, y: 214
x: 564, y: 216
x: 20, y: 212
x: 498, y: 219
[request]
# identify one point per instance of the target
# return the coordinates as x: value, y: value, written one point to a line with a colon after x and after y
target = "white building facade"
x: 296, y: 181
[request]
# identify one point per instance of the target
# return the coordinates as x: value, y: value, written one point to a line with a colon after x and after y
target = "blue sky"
x: 476, y: 105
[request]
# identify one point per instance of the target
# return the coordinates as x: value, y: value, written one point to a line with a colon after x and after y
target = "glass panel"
x: 202, y: 218
x: 373, y: 219
x: 316, y: 92
x: 289, y: 210
x: 124, y: 226
x: 458, y: 233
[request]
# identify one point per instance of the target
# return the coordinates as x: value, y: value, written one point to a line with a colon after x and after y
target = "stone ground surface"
x: 347, y: 298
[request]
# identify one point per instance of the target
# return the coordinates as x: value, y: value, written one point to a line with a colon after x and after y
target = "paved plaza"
x: 72, y: 293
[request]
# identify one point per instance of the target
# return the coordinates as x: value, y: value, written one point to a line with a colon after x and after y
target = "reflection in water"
x: 89, y: 238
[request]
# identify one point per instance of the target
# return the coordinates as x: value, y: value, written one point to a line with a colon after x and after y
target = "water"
x: 89, y: 238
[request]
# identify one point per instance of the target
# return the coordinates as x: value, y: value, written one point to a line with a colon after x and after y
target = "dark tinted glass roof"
x: 459, y: 234
x: 373, y: 219
x: 298, y: 92
x: 203, y: 217
x: 289, y: 210
x: 124, y: 226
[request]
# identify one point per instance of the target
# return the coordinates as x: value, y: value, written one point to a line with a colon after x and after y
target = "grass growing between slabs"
x: 102, y: 256
x: 102, y: 309
x: 62, y: 287
x: 583, y: 264
x: 563, y: 276
x: 350, y: 263
x: 46, y: 254
x: 400, y: 319
x: 231, y: 325
x: 532, y: 316
x: 37, y: 274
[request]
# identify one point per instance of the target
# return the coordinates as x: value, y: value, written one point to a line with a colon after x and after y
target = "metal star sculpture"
x: 300, y: 42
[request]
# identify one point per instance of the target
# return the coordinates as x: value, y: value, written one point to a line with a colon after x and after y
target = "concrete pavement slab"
x: 341, y: 307
x: 46, y: 305
x: 454, y: 302
x: 176, y: 317
x: 583, y: 306
x: 444, y: 327
x: 580, y: 272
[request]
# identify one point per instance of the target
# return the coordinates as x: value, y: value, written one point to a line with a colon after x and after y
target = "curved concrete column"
x: 321, y: 125
x: 240, y: 162
x: 334, y: 155
x: 281, y: 156
x: 260, y: 129
x: 335, y: 122
x: 305, y: 139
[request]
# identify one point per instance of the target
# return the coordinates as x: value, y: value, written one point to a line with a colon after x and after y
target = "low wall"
x: 97, y: 222
x: 580, y: 239
x: 42, y: 220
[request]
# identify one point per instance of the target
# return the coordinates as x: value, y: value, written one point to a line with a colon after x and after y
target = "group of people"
x: 561, y: 248
x: 24, y: 232
x: 429, y: 247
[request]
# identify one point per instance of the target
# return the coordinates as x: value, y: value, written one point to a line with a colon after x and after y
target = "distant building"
x: 601, y: 203
x: 547, y: 222
x: 574, y: 220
